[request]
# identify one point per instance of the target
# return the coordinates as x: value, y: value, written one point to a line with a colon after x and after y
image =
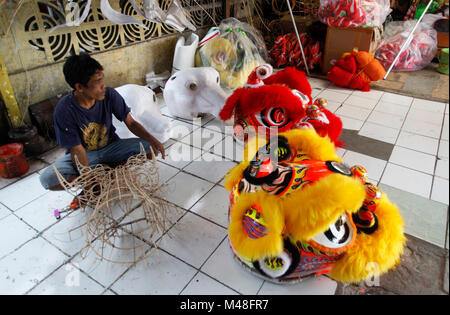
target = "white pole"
x: 408, y: 40
x: 298, y: 37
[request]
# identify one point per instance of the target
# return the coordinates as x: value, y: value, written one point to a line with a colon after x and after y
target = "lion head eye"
x: 192, y: 86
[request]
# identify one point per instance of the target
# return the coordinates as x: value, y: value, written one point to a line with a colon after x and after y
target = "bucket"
x: 12, y: 160
x: 443, y: 61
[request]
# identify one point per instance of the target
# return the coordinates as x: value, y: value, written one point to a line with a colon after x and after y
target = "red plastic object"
x: 12, y: 160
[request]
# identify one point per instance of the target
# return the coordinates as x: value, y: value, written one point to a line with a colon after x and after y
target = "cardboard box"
x: 341, y: 40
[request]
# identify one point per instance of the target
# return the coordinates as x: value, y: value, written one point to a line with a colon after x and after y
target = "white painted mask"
x: 145, y: 110
x: 192, y: 91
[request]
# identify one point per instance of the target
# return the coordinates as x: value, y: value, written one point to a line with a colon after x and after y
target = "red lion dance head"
x: 272, y: 103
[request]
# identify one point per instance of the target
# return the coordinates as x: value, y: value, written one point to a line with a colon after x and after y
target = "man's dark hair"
x: 79, y: 68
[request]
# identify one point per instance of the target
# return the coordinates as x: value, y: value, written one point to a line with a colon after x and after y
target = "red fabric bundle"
x: 356, y: 71
x: 286, y: 51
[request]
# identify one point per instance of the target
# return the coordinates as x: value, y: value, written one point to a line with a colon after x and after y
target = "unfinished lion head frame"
x: 124, y: 211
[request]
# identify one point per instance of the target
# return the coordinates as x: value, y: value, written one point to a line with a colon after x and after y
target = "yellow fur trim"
x: 313, y: 145
x: 312, y: 210
x: 267, y: 246
x: 234, y: 175
x: 376, y: 253
x: 304, y: 140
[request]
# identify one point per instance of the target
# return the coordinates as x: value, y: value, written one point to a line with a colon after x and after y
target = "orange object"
x: 12, y: 160
x: 356, y: 70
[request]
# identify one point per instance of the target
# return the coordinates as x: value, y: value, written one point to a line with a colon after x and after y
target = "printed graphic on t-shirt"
x: 94, y: 135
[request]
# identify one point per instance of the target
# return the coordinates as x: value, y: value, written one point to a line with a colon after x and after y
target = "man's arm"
x: 138, y: 130
x: 80, y: 152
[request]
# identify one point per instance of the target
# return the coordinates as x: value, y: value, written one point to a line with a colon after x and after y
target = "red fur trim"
x: 230, y: 105
x: 247, y: 101
x: 293, y: 78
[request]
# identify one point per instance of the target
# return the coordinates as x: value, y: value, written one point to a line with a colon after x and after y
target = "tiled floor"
x: 38, y: 255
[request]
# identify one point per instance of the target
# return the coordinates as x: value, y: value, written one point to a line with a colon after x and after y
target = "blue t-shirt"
x: 92, y: 127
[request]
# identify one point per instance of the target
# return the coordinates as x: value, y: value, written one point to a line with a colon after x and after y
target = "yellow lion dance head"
x: 297, y: 211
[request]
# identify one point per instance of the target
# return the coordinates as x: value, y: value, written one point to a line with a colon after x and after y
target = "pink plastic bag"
x: 354, y: 13
x: 417, y: 55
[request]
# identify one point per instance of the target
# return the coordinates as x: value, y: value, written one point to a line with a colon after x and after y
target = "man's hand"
x: 158, y: 147
x: 138, y: 130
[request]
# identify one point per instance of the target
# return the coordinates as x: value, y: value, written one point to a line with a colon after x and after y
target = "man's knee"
x: 50, y: 181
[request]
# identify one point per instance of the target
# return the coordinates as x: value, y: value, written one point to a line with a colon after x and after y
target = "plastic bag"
x: 418, y: 54
x: 234, y: 49
x: 353, y: 13
x: 286, y: 52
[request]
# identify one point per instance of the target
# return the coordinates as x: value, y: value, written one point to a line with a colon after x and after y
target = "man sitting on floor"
x: 83, y: 124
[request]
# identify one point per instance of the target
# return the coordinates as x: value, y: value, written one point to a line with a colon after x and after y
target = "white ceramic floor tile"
x: 442, y: 168
x: 372, y: 94
x: 384, y: 119
x: 417, y: 142
x: 181, y: 129
x: 229, y: 149
x: 412, y: 159
x: 429, y: 106
x: 210, y: 167
x: 351, y: 124
x: 333, y: 96
x: 159, y: 274
x: 424, y: 218
x: 422, y: 128
x: 204, y: 285
x: 445, y: 128
x: 443, y: 149
x: 319, y: 83
x: 166, y: 172
x: 220, y: 126
x: 361, y: 101
x: 353, y: 112
x: 4, y: 182
x: 26, y: 267
x: 440, y: 190
x: 391, y: 108
x: 314, y: 286
x: 373, y: 165
x: 340, y: 152
x: 193, y: 239
x: 397, y: 99
x: 425, y: 116
x: 214, y: 206
x: 333, y: 87
x: 179, y: 155
x: 315, y: 92
x: 22, y: 192
x: 333, y: 106
x: 118, y: 260
x: 379, y: 132
x: 408, y: 180
x: 203, y: 138
x: 68, y: 280
x: 39, y: 212
x: 13, y: 233
x: 4, y: 212
x: 185, y: 190
x: 223, y: 267
x: 69, y: 234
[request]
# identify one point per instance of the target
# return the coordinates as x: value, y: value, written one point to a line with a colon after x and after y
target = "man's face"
x: 95, y: 88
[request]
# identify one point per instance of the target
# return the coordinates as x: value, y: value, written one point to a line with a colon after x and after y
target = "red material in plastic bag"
x: 287, y: 52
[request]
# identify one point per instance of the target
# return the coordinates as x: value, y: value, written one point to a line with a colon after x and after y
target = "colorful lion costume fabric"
x: 272, y: 103
x: 234, y: 49
x: 356, y: 70
x: 297, y: 211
